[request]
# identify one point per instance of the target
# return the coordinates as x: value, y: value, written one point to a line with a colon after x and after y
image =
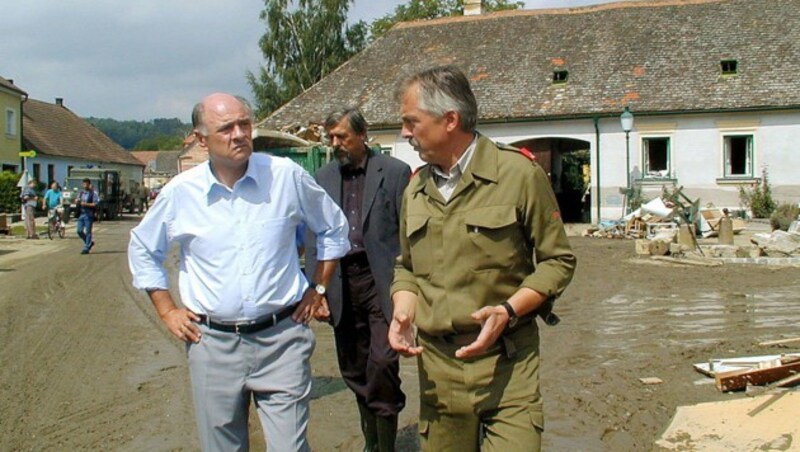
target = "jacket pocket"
x: 495, y: 237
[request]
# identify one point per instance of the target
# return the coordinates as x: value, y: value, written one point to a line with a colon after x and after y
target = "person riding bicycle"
x: 52, y: 201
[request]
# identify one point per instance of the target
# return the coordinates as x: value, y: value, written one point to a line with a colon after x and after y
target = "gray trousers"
x: 30, y: 221
x: 271, y: 367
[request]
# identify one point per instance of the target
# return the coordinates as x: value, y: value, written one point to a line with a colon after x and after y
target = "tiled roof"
x: 159, y: 161
x: 145, y: 156
x: 55, y: 130
x: 7, y: 84
x: 167, y: 161
x: 656, y: 57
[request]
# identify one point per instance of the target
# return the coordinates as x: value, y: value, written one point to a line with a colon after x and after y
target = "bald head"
x: 215, y: 101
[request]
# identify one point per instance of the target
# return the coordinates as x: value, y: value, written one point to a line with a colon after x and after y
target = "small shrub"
x: 9, y: 193
x: 758, y: 198
x: 783, y: 216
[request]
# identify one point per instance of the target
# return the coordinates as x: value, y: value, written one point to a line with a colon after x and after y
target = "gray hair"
x: 442, y: 89
x: 354, y: 117
x: 199, y: 110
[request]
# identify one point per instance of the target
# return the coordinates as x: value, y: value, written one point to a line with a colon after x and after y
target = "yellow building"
x: 11, y: 99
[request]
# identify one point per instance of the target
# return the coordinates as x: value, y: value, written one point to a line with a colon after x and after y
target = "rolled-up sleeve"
x: 149, y: 245
x: 324, y: 218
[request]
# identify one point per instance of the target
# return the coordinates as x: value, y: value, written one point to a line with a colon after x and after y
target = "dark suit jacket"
x: 386, y: 179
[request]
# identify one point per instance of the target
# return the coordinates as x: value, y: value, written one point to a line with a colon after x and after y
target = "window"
x: 51, y: 174
x: 729, y: 67
x: 655, y: 153
x: 37, y: 172
x: 738, y: 155
x: 560, y: 76
x: 11, y: 122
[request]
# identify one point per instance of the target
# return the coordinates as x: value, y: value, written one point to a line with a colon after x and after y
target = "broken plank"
x: 780, y: 341
x: 739, y: 379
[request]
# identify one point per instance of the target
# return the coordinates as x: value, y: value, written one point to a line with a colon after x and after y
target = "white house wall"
x: 696, y: 153
x: 128, y: 173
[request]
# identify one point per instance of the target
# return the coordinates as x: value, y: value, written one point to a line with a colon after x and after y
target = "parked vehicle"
x: 107, y: 184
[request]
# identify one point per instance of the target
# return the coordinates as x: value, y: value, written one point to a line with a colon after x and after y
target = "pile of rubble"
x: 672, y: 224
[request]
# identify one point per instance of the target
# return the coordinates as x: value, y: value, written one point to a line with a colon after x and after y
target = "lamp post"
x: 626, y: 120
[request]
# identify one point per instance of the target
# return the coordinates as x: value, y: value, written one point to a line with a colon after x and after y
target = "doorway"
x: 567, y: 162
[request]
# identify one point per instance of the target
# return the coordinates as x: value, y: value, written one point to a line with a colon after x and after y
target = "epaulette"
x: 525, y: 152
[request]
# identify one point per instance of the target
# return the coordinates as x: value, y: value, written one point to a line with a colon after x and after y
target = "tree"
x: 302, y: 45
x: 432, y: 9
x: 159, y: 143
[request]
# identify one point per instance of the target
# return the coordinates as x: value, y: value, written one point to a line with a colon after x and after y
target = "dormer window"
x: 560, y: 76
x: 729, y: 67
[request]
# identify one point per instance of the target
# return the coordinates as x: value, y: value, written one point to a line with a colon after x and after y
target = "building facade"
x: 711, y: 83
x: 11, y: 99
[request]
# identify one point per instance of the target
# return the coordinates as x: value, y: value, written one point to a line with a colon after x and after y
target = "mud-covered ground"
x: 85, y: 364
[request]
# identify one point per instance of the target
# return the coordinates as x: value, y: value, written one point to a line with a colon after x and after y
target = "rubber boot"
x: 387, y: 432
x: 369, y: 428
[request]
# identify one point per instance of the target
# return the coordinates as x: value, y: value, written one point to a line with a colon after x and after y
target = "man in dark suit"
x: 368, y: 186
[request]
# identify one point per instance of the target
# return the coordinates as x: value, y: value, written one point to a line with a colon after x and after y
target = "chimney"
x: 60, y: 101
x: 473, y: 7
x: 10, y: 80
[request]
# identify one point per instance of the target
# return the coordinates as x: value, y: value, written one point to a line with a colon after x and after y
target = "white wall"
x: 127, y: 172
x: 696, y: 152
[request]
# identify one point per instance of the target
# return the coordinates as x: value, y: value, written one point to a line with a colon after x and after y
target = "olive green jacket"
x: 501, y: 230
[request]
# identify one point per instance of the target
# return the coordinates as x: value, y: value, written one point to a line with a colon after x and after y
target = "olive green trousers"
x: 488, y: 403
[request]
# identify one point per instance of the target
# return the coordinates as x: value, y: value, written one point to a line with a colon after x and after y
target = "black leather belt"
x: 250, y: 327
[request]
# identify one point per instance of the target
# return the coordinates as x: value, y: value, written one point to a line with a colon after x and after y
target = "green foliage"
x: 758, y: 198
x: 432, y: 9
x: 159, y: 143
x: 129, y: 133
x: 572, y: 170
x: 9, y: 193
x: 305, y: 40
x: 783, y: 216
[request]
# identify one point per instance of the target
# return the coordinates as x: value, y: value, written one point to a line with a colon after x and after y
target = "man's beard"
x: 343, y: 156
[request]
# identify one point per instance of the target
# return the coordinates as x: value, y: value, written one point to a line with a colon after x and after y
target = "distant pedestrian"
x: 87, y: 205
x: 144, y: 198
x: 29, y: 201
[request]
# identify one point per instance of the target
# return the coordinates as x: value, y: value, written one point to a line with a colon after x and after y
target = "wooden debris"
x: 740, y: 424
x: 658, y: 247
x: 739, y: 379
x: 697, y: 262
x: 779, y: 341
x: 642, y: 247
x: 714, y: 366
x: 651, y: 380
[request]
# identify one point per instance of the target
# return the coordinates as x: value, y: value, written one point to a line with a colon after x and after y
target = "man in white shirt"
x: 235, y: 219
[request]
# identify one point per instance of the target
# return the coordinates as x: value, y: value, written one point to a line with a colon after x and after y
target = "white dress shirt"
x: 446, y: 182
x: 238, y: 258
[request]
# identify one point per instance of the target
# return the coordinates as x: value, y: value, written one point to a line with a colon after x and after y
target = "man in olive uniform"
x: 482, y: 248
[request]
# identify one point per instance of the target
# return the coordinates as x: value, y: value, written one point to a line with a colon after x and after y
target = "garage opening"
x: 567, y: 162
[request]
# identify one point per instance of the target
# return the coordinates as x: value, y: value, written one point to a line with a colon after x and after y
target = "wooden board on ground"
x: 739, y: 379
x: 767, y: 422
x: 713, y: 366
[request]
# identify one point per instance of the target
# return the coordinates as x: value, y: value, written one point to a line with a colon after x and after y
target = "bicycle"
x: 54, y: 224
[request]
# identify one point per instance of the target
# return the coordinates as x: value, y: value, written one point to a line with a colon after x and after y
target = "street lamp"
x: 626, y: 120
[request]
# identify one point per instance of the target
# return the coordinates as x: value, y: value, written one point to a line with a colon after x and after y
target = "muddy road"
x: 85, y: 364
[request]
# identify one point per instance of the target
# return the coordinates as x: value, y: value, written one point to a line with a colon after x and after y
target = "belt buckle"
x: 238, y: 325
